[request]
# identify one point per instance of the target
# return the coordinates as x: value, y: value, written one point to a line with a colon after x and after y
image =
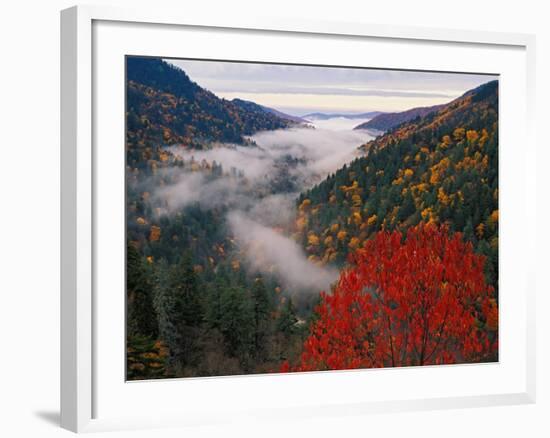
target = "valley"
x: 241, y: 218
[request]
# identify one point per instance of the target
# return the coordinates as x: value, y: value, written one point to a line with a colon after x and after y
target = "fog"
x: 271, y: 252
x: 255, y: 162
x: 195, y: 187
x: 323, y: 150
x: 320, y: 151
x: 259, y: 188
x: 275, y: 210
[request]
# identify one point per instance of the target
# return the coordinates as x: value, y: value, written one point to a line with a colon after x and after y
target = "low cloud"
x: 272, y: 253
x: 322, y: 150
x: 195, y: 187
x: 319, y: 151
x: 275, y: 210
x: 258, y: 187
x: 254, y: 161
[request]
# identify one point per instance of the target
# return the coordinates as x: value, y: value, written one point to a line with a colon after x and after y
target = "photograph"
x: 285, y: 218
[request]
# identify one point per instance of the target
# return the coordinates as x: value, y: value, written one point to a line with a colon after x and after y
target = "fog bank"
x: 272, y: 253
x: 259, y: 185
x: 309, y: 154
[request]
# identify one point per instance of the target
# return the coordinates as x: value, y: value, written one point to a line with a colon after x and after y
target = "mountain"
x: 440, y: 168
x: 254, y: 107
x: 385, y: 121
x: 164, y: 107
x: 286, y: 116
x: 325, y: 116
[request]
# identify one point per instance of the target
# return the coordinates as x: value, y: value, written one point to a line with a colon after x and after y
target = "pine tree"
x: 262, y: 310
x: 237, y: 322
x: 142, y: 318
x: 469, y: 231
x: 407, y: 207
x: 185, y: 287
x: 185, y: 313
x: 287, y: 319
x: 164, y: 306
x: 213, y: 311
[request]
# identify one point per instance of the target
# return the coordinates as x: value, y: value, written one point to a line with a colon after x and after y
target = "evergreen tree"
x: 142, y: 319
x: 262, y: 310
x: 213, y: 309
x: 287, y: 319
x: 469, y: 231
x: 186, y: 313
x: 407, y: 207
x: 184, y: 285
x: 164, y: 306
x: 237, y: 322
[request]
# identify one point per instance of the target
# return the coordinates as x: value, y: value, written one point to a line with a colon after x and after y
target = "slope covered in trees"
x: 164, y: 107
x: 192, y: 309
x: 414, y: 226
x: 385, y: 121
x: 441, y: 168
x: 254, y: 107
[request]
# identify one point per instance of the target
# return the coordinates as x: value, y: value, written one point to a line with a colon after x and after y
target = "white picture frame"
x: 81, y: 339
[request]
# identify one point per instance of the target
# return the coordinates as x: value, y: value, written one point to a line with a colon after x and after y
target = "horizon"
x: 300, y: 90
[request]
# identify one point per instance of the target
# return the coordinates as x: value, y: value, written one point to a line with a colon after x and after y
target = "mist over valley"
x: 258, y: 184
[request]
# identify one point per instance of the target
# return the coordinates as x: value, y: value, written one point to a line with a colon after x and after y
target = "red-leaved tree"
x: 413, y: 299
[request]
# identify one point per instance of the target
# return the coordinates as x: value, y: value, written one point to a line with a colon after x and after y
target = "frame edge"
x: 69, y: 359
x: 75, y: 274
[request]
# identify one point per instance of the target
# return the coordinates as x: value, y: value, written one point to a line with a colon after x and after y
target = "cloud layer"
x: 258, y: 189
x: 270, y: 252
x: 300, y: 156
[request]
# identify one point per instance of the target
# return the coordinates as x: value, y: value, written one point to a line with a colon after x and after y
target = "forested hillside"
x: 441, y: 168
x: 192, y: 308
x: 386, y: 121
x: 254, y: 107
x: 164, y: 107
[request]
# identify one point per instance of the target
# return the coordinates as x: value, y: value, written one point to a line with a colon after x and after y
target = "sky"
x: 299, y: 90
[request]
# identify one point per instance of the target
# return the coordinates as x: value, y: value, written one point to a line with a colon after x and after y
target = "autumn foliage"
x: 414, y: 299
